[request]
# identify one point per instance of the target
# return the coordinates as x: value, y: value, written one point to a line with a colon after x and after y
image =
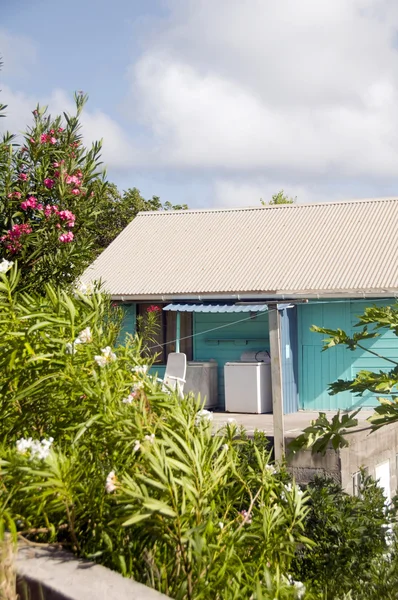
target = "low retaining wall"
x: 51, y: 574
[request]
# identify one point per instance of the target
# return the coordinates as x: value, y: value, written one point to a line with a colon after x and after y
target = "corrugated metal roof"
x: 217, y: 308
x: 287, y: 249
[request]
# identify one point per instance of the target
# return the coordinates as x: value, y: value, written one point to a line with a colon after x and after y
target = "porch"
x: 294, y: 423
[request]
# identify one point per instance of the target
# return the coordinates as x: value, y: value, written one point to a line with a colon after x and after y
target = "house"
x: 252, y: 280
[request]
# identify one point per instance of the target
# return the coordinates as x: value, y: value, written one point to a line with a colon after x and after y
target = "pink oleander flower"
x: 49, y: 209
x: 72, y: 179
x: 52, y: 131
x: 31, y: 202
x: 66, y: 237
x: 60, y: 129
x: 49, y: 183
x: 23, y: 176
x: 12, y: 238
x: 32, y: 140
x: 55, y: 164
x: 58, y: 226
x: 39, y: 207
x: 68, y: 216
x: 153, y: 308
x: 76, y: 192
x: 43, y: 138
x: 53, y: 140
x: 15, y: 195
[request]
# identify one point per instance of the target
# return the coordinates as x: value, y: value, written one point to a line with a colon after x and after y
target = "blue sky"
x: 218, y: 102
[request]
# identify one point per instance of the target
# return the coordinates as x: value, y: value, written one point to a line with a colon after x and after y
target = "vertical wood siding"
x: 289, y: 351
x: 232, y: 339
x: 318, y: 369
x: 129, y: 323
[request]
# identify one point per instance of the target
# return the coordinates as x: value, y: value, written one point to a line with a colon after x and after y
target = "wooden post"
x: 276, y: 378
x: 178, y: 331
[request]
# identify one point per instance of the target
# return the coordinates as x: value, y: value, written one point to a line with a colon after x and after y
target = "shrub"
x: 350, y: 535
x: 96, y: 456
x: 50, y: 188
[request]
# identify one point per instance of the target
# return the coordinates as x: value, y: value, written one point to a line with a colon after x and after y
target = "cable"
x: 187, y: 337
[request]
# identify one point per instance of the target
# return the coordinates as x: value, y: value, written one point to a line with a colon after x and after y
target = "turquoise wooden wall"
x: 317, y: 369
x: 129, y: 321
x: 289, y: 354
x: 227, y: 344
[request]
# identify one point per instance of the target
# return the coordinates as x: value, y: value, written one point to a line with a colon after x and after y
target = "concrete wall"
x: 365, y: 450
x: 369, y: 450
x: 50, y: 574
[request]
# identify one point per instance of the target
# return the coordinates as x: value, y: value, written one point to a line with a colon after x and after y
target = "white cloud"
x: 307, y: 87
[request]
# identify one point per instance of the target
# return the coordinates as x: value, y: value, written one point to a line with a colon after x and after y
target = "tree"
x: 117, y: 210
x: 50, y: 188
x: 385, y: 382
x: 279, y: 198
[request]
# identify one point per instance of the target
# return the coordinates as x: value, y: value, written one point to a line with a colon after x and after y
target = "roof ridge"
x: 268, y: 207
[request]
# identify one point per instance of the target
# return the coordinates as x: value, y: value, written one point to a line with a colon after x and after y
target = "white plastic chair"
x: 176, y: 368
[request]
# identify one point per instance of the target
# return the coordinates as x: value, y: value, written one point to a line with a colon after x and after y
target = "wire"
x: 187, y: 337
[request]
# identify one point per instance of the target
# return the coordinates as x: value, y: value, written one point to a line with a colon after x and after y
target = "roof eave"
x: 263, y: 296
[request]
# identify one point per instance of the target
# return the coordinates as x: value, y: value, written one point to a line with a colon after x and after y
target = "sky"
x: 217, y: 103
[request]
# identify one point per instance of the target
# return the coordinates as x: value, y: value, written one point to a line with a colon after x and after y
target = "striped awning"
x: 217, y: 308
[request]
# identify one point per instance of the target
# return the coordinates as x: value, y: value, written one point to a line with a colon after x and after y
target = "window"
x: 165, y: 339
x: 357, y: 479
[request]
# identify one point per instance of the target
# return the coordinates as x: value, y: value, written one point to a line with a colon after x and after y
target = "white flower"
x: 85, y: 288
x: 221, y: 525
x: 271, y: 469
x: 107, y: 357
x: 140, y: 369
x: 137, y: 446
x: 107, y: 352
x: 231, y: 420
x: 100, y: 360
x: 289, y: 487
x: 246, y: 516
x: 129, y: 398
x: 150, y: 438
x: 203, y: 415
x: 37, y: 449
x: 84, y: 336
x: 110, y: 484
x: 70, y: 348
x: 299, y: 589
x: 225, y: 447
x: 23, y: 445
x: 5, y: 265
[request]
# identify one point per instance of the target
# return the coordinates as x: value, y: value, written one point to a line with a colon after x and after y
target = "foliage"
x: 96, y: 456
x: 322, y: 433
x: 117, y: 210
x: 148, y: 327
x: 49, y: 192
x: 279, y: 198
x: 384, y: 382
x: 350, y: 535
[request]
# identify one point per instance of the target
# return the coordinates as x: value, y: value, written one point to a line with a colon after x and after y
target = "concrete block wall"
x: 365, y: 449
